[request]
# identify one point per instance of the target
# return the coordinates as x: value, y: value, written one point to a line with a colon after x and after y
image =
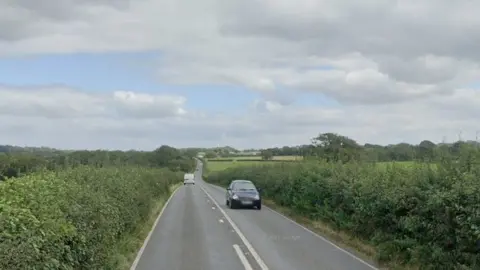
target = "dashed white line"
x: 220, y: 220
x: 242, y: 257
x: 249, y: 246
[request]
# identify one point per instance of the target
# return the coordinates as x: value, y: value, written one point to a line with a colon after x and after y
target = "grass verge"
x: 259, y: 158
x: 128, y: 247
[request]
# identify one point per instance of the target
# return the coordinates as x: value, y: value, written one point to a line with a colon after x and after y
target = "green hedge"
x: 73, y: 219
x: 252, y: 160
x: 419, y: 215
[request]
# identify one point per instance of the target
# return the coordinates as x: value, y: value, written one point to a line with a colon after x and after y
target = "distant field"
x: 221, y: 165
x: 215, y: 165
x: 257, y: 158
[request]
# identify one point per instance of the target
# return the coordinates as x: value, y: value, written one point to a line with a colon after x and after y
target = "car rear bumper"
x: 246, y: 203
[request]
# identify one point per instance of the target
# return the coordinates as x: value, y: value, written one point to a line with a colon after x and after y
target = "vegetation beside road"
x: 82, y: 209
x: 419, y: 213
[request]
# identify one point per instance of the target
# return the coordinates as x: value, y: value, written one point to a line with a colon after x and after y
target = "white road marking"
x: 140, y: 252
x: 213, y: 207
x: 220, y: 220
x: 249, y: 246
x: 312, y: 232
x: 242, y: 257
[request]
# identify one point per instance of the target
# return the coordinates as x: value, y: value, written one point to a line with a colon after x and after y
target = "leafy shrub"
x: 420, y: 214
x: 73, y: 219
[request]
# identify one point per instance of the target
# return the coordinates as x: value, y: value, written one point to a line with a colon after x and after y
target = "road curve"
x: 194, y: 233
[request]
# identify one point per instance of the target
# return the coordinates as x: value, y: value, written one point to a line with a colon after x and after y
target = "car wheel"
x: 259, y: 207
x: 232, y: 205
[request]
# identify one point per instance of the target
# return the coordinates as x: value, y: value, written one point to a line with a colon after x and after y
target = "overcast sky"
x: 246, y: 73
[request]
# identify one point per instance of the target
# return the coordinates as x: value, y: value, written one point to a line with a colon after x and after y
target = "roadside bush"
x: 73, y: 219
x: 204, y: 168
x: 419, y: 215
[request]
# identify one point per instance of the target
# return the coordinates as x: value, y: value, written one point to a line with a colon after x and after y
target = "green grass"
x: 257, y: 158
x: 223, y: 165
x: 220, y: 164
x: 216, y: 165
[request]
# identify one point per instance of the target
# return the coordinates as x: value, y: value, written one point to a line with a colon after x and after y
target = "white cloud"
x: 400, y: 70
x: 62, y: 102
x: 88, y: 120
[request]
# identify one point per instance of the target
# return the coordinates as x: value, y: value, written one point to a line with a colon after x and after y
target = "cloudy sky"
x: 247, y: 73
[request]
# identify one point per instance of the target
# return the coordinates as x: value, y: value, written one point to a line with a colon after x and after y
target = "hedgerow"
x: 73, y: 219
x: 421, y: 215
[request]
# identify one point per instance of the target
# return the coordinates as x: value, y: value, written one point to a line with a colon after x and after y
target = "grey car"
x: 243, y: 193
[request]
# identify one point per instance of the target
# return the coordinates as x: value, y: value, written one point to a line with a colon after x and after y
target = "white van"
x: 189, y: 178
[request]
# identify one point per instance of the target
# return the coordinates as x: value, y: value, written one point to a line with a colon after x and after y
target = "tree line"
x: 17, y: 161
x: 335, y: 147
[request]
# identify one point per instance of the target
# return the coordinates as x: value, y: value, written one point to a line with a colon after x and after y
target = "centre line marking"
x: 242, y: 257
x: 249, y: 246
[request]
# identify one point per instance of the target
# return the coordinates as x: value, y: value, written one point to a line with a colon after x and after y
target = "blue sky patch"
x: 103, y: 72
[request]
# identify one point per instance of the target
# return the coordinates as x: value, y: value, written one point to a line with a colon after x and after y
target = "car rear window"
x: 244, y: 186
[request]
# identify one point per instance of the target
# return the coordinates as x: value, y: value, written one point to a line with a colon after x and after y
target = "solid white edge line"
x: 317, y: 235
x: 140, y: 252
x: 249, y: 246
x: 242, y: 257
x: 324, y: 239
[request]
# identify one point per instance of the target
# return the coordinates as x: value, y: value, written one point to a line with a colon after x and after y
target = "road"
x: 196, y: 231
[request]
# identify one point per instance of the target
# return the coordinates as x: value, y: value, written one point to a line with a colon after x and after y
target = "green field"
x: 219, y: 164
x: 216, y: 165
x: 257, y: 158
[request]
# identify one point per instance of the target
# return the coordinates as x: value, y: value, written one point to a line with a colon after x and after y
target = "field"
x: 410, y: 215
x: 220, y: 164
x: 287, y: 158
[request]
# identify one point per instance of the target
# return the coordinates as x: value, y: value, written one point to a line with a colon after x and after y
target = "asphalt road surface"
x: 196, y: 231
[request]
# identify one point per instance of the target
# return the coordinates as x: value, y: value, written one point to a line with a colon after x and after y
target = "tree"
x: 267, y: 154
x: 334, y: 147
x: 210, y: 154
x: 426, y: 150
x: 164, y: 154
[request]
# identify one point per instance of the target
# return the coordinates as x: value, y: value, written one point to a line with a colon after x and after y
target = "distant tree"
x: 210, y: 154
x: 164, y: 154
x: 267, y: 154
x: 334, y: 147
x: 425, y: 150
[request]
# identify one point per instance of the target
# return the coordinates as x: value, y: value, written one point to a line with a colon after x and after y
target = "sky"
x: 245, y: 73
